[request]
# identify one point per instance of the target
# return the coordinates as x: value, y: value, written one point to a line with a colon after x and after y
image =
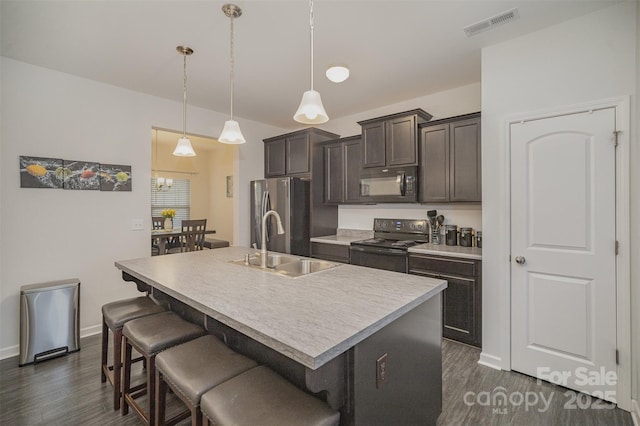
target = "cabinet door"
x: 331, y: 252
x: 333, y: 173
x: 352, y: 169
x: 434, y: 164
x: 460, y: 317
x: 297, y: 154
x: 274, y: 158
x: 373, y: 145
x: 465, y: 161
x: 401, y: 146
x: 458, y: 310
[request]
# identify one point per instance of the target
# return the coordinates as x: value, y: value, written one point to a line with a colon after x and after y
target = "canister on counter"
x: 479, y: 239
x: 451, y: 235
x: 466, y: 237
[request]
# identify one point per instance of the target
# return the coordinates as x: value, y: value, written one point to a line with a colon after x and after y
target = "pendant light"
x: 231, y: 133
x: 183, y: 148
x: 311, y: 110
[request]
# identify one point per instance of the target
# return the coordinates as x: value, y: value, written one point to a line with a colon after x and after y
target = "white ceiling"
x: 396, y: 50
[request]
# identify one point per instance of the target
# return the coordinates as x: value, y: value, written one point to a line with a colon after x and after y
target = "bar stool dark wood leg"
x: 105, y: 350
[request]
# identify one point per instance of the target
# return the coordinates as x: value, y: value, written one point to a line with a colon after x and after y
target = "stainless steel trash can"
x: 49, y: 320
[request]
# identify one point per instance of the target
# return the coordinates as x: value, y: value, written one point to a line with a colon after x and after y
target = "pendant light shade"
x: 311, y: 110
x: 231, y: 133
x: 183, y: 148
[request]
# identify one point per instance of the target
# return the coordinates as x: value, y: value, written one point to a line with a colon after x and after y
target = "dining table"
x: 162, y: 236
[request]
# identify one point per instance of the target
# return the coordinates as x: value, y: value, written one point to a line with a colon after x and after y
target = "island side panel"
x: 397, y: 372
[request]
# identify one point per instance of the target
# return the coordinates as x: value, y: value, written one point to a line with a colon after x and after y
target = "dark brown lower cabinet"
x: 331, y: 252
x: 462, y: 300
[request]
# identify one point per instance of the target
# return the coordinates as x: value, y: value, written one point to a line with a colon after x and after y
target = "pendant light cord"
x: 232, y: 73
x: 184, y: 104
x: 311, y: 30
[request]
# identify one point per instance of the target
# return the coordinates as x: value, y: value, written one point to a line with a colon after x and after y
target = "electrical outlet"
x: 137, y: 224
x: 381, y: 371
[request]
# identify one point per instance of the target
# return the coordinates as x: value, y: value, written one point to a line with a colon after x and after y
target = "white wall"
x: 220, y: 206
x: 449, y: 103
x: 635, y: 235
x: 586, y: 59
x: 53, y: 234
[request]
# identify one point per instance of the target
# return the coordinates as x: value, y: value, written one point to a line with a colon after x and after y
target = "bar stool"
x: 149, y: 336
x: 114, y: 316
x: 191, y: 369
x: 262, y: 397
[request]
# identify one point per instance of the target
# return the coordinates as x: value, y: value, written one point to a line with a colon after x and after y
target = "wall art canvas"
x: 115, y: 177
x: 229, y: 186
x: 81, y: 175
x: 40, y: 172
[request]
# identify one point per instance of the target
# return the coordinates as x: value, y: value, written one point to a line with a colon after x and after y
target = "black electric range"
x: 388, y: 247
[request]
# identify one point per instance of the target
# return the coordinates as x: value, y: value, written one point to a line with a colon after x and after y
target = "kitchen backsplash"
x: 355, y: 217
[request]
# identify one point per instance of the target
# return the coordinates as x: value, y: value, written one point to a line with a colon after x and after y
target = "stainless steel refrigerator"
x: 288, y: 196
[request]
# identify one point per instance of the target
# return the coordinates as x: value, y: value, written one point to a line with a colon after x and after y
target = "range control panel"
x: 403, y: 226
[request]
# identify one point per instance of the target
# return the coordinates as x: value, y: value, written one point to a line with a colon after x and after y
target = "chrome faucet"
x: 263, y: 247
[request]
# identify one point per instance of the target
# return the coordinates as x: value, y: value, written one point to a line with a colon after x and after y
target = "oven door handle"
x: 395, y: 252
x: 403, y: 184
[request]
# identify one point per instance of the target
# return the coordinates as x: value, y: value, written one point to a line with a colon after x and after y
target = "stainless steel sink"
x: 286, y: 265
x: 304, y: 267
x: 273, y: 260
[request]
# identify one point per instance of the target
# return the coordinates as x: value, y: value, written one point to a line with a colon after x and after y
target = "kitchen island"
x: 365, y: 340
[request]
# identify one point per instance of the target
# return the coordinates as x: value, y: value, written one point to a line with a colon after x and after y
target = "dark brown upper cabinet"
x: 450, y: 162
x: 392, y: 140
x: 290, y: 154
x: 342, y: 162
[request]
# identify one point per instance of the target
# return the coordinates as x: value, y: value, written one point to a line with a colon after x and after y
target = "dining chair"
x: 192, y: 236
x: 157, y: 222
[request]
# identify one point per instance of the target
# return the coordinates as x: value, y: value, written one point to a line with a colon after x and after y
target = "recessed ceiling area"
x: 396, y: 50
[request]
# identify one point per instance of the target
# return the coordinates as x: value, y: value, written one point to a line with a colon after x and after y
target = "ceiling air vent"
x: 494, y: 21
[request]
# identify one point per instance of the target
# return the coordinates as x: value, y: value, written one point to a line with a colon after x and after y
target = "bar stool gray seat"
x: 190, y: 370
x: 214, y: 243
x: 149, y: 336
x: 262, y: 397
x: 114, y: 316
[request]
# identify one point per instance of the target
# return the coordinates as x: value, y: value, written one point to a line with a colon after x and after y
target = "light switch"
x: 137, y: 224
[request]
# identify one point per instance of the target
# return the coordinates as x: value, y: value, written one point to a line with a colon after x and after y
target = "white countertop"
x: 311, y: 319
x: 445, y: 250
x: 342, y: 240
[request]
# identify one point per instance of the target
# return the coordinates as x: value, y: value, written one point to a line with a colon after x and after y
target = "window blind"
x: 178, y: 198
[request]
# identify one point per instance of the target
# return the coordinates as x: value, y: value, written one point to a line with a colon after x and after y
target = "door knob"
x: 520, y: 260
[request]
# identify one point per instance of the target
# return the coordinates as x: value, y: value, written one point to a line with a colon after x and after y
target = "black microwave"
x: 389, y: 185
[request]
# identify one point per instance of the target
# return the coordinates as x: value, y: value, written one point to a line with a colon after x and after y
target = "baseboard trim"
x: 90, y: 331
x: 490, y: 361
x: 9, y: 352
x: 635, y: 412
x: 15, y: 350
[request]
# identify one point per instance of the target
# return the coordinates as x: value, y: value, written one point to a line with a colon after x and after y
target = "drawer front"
x: 445, y: 265
x: 333, y: 252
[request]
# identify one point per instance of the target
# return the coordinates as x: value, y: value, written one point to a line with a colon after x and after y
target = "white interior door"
x: 563, y: 270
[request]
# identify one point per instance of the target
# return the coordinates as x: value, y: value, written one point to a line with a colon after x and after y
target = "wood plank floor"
x: 469, y: 388
x: 67, y: 391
